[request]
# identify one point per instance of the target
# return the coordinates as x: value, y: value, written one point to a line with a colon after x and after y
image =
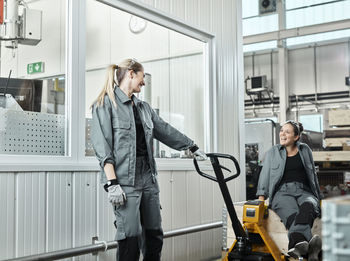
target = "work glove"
x: 200, y: 155
x: 116, y: 195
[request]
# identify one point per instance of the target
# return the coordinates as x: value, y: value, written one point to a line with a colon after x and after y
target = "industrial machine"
x: 19, y: 24
x: 252, y: 241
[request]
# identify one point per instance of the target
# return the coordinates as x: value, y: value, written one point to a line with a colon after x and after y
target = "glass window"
x: 312, y: 122
x: 250, y: 8
x: 292, y: 4
x: 173, y: 63
x: 312, y: 13
x: 260, y: 24
x: 32, y: 84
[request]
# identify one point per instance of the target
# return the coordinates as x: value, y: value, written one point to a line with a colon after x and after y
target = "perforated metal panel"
x: 34, y: 133
x: 89, y: 150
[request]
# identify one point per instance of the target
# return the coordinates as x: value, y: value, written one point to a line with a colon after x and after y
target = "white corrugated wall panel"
x: 59, y: 228
x: 178, y: 8
x: 179, y: 213
x: 7, y: 215
x: 300, y: 64
x: 58, y: 210
x: 84, y: 210
x: 333, y: 63
x: 30, y: 213
x: 193, y: 213
x: 206, y: 192
x: 164, y: 6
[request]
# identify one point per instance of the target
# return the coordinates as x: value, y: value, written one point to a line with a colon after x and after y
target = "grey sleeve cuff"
x: 107, y: 159
x: 261, y: 192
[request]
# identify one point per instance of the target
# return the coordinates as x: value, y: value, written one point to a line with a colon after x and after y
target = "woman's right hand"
x: 262, y: 198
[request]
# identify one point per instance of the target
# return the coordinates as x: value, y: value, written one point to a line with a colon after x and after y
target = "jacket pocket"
x: 121, y: 124
x: 121, y: 133
x: 275, y: 169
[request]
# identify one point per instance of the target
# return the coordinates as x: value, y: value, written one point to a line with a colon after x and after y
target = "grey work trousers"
x: 139, y: 218
x: 287, y: 203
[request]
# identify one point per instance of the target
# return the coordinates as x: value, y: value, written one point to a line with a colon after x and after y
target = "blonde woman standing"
x: 123, y: 128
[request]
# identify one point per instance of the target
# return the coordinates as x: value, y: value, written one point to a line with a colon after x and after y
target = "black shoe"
x: 315, y: 247
x: 300, y: 249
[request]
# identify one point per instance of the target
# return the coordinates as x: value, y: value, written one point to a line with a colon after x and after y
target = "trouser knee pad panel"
x: 306, y: 214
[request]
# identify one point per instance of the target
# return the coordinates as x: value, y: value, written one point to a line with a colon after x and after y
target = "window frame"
x: 75, y: 91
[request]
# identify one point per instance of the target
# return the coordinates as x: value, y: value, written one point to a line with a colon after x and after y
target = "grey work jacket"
x: 113, y: 135
x: 273, y: 170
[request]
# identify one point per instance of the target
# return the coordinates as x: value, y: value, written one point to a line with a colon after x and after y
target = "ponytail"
x: 108, y: 87
x: 115, y: 75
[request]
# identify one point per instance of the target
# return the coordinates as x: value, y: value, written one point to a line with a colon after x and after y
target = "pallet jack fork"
x: 252, y: 240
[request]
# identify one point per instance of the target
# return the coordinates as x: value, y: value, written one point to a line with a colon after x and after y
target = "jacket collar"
x: 298, y: 143
x: 136, y: 100
x: 124, y: 98
x: 121, y: 95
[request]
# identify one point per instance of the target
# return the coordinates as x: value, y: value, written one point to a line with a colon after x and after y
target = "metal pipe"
x: 193, y: 229
x: 315, y: 75
x: 100, y: 246
x: 253, y: 63
x: 60, y: 254
x: 349, y: 60
x: 349, y: 55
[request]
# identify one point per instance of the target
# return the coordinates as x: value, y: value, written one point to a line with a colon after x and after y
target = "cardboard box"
x: 346, y: 145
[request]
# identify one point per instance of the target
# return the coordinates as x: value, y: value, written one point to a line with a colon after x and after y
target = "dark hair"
x: 297, y: 127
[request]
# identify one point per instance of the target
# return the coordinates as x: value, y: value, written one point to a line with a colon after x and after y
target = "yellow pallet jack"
x: 252, y: 240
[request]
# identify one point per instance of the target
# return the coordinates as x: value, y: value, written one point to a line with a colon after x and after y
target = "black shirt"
x: 141, y: 146
x: 294, y: 171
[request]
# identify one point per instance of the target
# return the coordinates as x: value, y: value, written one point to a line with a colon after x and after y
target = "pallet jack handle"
x: 214, y: 159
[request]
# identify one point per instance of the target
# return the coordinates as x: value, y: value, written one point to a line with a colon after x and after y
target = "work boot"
x: 315, y: 247
x: 300, y: 249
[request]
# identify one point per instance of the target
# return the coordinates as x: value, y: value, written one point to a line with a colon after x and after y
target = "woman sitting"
x: 289, y: 179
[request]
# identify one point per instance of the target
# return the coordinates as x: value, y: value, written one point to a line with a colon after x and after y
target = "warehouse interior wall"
x: 331, y: 65
x: 51, y: 210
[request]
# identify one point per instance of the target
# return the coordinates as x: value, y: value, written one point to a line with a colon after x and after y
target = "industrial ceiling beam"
x: 298, y: 31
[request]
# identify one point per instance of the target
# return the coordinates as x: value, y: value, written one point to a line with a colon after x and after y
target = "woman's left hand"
x: 200, y: 155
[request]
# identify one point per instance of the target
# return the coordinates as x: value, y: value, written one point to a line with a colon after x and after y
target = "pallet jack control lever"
x: 214, y: 159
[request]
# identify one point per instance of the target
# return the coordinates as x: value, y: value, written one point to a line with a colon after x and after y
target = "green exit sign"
x: 35, y: 67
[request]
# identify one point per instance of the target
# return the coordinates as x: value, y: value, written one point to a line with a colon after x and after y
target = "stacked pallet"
x: 337, y: 137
